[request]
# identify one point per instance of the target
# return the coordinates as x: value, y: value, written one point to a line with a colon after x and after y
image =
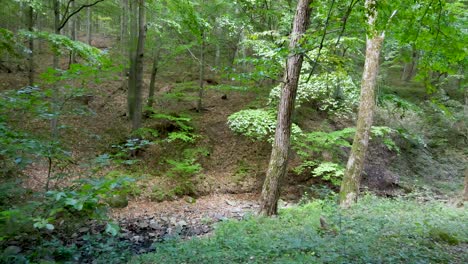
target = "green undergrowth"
x: 377, y: 230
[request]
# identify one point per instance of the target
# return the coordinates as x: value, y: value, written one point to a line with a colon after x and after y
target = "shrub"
x: 335, y: 93
x: 257, y: 124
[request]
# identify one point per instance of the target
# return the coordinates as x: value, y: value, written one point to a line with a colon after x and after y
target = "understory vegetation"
x: 377, y: 230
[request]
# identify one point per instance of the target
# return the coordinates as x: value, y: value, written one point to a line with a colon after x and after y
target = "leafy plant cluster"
x: 56, y: 215
x: 334, y: 93
x: 183, y: 170
x: 260, y: 124
x: 257, y: 124
x: 313, y: 145
x: 376, y: 230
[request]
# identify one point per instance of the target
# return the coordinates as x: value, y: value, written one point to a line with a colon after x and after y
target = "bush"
x: 257, y: 124
x: 335, y: 93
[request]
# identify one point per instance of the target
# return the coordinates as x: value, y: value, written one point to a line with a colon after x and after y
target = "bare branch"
x: 321, y: 42
x: 66, y: 18
x: 67, y: 9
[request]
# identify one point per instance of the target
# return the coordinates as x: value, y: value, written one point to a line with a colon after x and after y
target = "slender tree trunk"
x: 124, y: 38
x: 55, y: 64
x: 201, y: 73
x: 351, y: 180
x: 39, y: 28
x: 409, y: 68
x: 31, y: 46
x: 154, y: 71
x: 217, y: 55
x: 217, y: 46
x: 137, y: 113
x: 73, y: 34
x: 133, y: 43
x: 465, y: 190
x: 280, y: 153
x: 89, y: 26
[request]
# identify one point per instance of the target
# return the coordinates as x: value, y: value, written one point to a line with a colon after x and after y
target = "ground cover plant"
x: 378, y: 230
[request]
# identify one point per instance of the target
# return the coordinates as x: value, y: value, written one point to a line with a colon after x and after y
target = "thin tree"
x: 281, y: 146
x: 31, y: 46
x: 135, y: 84
x: 89, y: 26
x: 201, y: 75
x: 124, y: 38
x: 154, y: 72
x: 374, y: 41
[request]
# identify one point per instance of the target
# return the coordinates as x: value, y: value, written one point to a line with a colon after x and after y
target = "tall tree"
x: 89, y: 26
x: 124, y: 37
x: 31, y: 45
x: 374, y: 41
x: 135, y: 83
x: 281, y: 146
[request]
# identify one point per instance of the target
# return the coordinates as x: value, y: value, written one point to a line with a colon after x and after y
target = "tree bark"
x: 73, y: 34
x: 154, y: 71
x: 352, y: 176
x: 124, y: 38
x: 137, y: 113
x: 465, y: 190
x: 89, y: 26
x: 409, y: 68
x: 201, y: 73
x: 55, y: 65
x: 133, y: 43
x: 31, y: 46
x: 280, y: 153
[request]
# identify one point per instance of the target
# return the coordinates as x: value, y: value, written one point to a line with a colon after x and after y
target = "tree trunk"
x: 31, y: 46
x: 280, y: 153
x: 89, y: 26
x: 133, y: 43
x: 124, y: 38
x: 154, y: 71
x: 465, y: 190
x: 202, y: 73
x: 136, y: 119
x: 73, y: 33
x: 351, y: 180
x: 55, y: 65
x: 217, y: 55
x: 409, y: 68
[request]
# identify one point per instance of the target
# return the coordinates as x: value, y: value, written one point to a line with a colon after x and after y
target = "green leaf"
x: 112, y: 228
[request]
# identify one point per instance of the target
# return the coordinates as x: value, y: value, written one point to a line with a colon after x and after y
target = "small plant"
x: 184, y: 169
x: 126, y: 152
x: 257, y: 124
x: 329, y: 171
x: 184, y: 133
x: 243, y: 170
